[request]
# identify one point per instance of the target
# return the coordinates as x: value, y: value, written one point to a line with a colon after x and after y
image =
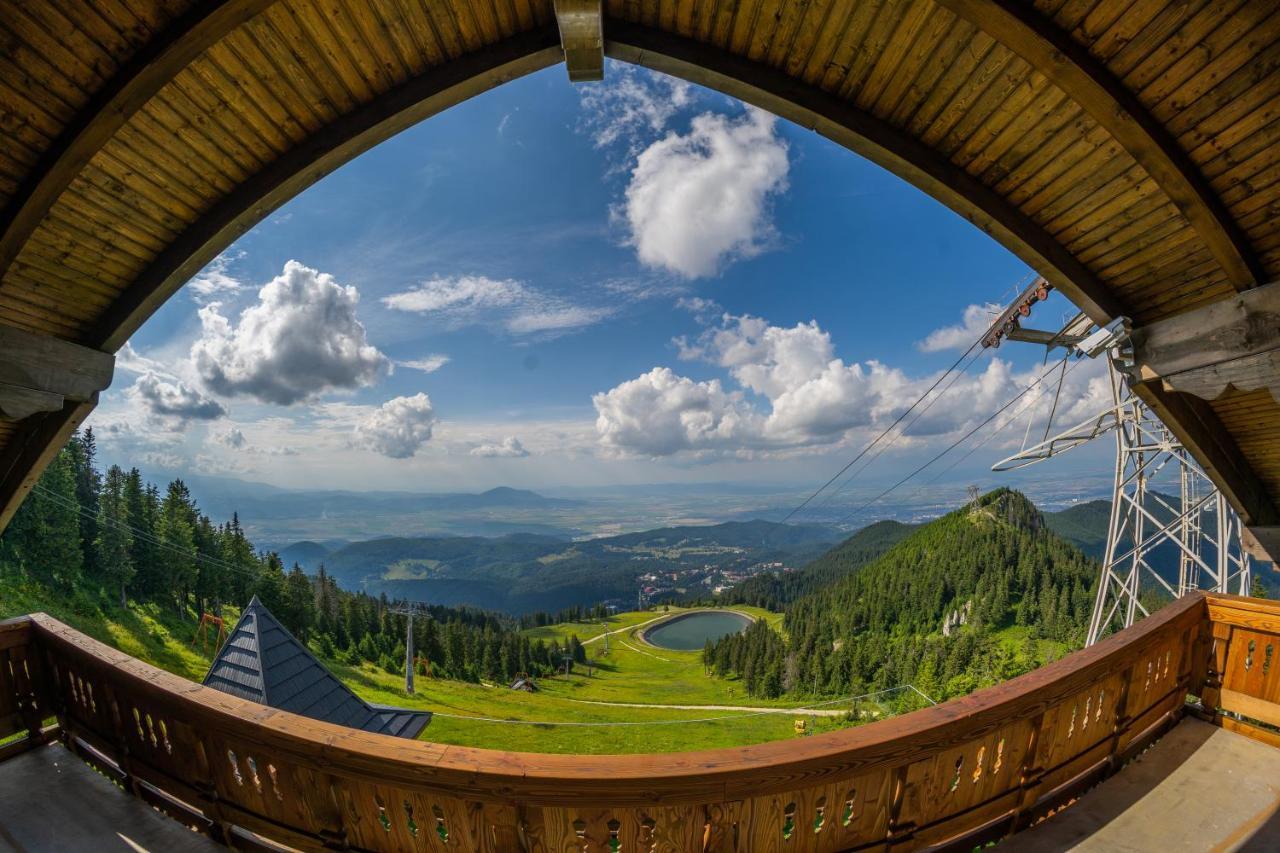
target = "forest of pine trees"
x: 106, y: 539
x: 989, y: 566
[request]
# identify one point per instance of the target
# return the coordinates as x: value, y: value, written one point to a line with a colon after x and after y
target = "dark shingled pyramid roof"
x: 262, y: 662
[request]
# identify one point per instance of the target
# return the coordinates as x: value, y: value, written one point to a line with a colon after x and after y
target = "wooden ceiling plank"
x: 189, y: 112
x: 263, y: 87
x: 1028, y: 139
x: 1092, y: 174
x: 874, y: 46
x: 1079, y: 139
x: 332, y: 43
x: 1006, y: 94
x: 163, y: 171
x: 1010, y: 119
x: 1244, y: 54
x: 1247, y: 89
x: 944, y: 90
x: 367, y: 46
x: 265, y: 46
x: 1182, y: 49
x: 931, y: 39
x: 847, y: 43
x: 135, y: 83
x: 394, y: 28
x: 1117, y: 202
x: 245, y: 100
x: 897, y: 53
x: 782, y: 45
x: 1117, y: 109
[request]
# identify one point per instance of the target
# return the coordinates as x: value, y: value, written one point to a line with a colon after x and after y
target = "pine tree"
x: 44, y: 536
x: 177, y: 536
x: 82, y: 450
x: 299, y: 602
x: 114, y: 545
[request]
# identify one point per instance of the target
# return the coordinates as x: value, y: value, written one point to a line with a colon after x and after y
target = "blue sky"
x: 634, y: 281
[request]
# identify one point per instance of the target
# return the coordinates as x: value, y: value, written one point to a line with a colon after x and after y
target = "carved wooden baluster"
x: 898, y: 830
x: 28, y: 683
x: 1030, y: 776
x: 1216, y: 664
x: 850, y: 803
x: 788, y: 821
x: 210, y: 799
x: 1122, y: 720
x: 120, y: 731
x: 410, y: 823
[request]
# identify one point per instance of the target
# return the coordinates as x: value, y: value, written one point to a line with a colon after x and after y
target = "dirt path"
x: 800, y: 712
x: 624, y: 630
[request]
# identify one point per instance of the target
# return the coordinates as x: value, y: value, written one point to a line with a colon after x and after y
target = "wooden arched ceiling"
x: 1128, y: 149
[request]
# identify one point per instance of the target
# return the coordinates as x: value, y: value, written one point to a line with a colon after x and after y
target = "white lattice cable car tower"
x: 1142, y: 517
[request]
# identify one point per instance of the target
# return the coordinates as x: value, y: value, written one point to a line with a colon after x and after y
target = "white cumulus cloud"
x: 302, y: 338
x: 698, y: 200
x: 660, y: 413
x: 794, y: 392
x: 398, y: 428
x: 509, y: 448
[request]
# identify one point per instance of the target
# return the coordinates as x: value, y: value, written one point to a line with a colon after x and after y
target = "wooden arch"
x: 1128, y: 149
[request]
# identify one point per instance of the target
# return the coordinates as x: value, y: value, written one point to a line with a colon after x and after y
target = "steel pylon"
x: 1143, y: 518
x: 1160, y: 495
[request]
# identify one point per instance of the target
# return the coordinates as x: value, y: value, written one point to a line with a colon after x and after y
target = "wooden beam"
x: 414, y: 100
x: 32, y: 448
x: 1019, y: 26
x: 582, y: 37
x: 39, y: 373
x: 1192, y: 420
x: 135, y: 82
x: 1234, y: 342
x: 1194, y: 423
x: 1262, y: 543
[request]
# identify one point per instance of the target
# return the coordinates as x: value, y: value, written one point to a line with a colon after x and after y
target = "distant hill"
x: 307, y: 554
x: 774, y: 591
x: 523, y: 572
x: 258, y: 501
x: 1084, y: 525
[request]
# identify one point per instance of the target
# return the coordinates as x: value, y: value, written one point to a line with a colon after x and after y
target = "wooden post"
x: 1030, y: 777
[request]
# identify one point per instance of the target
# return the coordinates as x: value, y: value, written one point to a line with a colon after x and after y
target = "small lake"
x: 691, y: 631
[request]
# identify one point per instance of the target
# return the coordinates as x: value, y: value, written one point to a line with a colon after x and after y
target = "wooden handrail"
x: 979, y: 766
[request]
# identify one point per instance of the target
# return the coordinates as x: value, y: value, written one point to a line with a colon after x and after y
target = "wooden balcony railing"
x: 968, y: 770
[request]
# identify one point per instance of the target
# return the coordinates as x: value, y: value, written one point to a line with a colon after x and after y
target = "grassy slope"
x: 636, y: 674
x: 158, y: 636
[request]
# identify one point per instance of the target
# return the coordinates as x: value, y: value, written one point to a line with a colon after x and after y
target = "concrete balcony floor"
x: 1199, y: 788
